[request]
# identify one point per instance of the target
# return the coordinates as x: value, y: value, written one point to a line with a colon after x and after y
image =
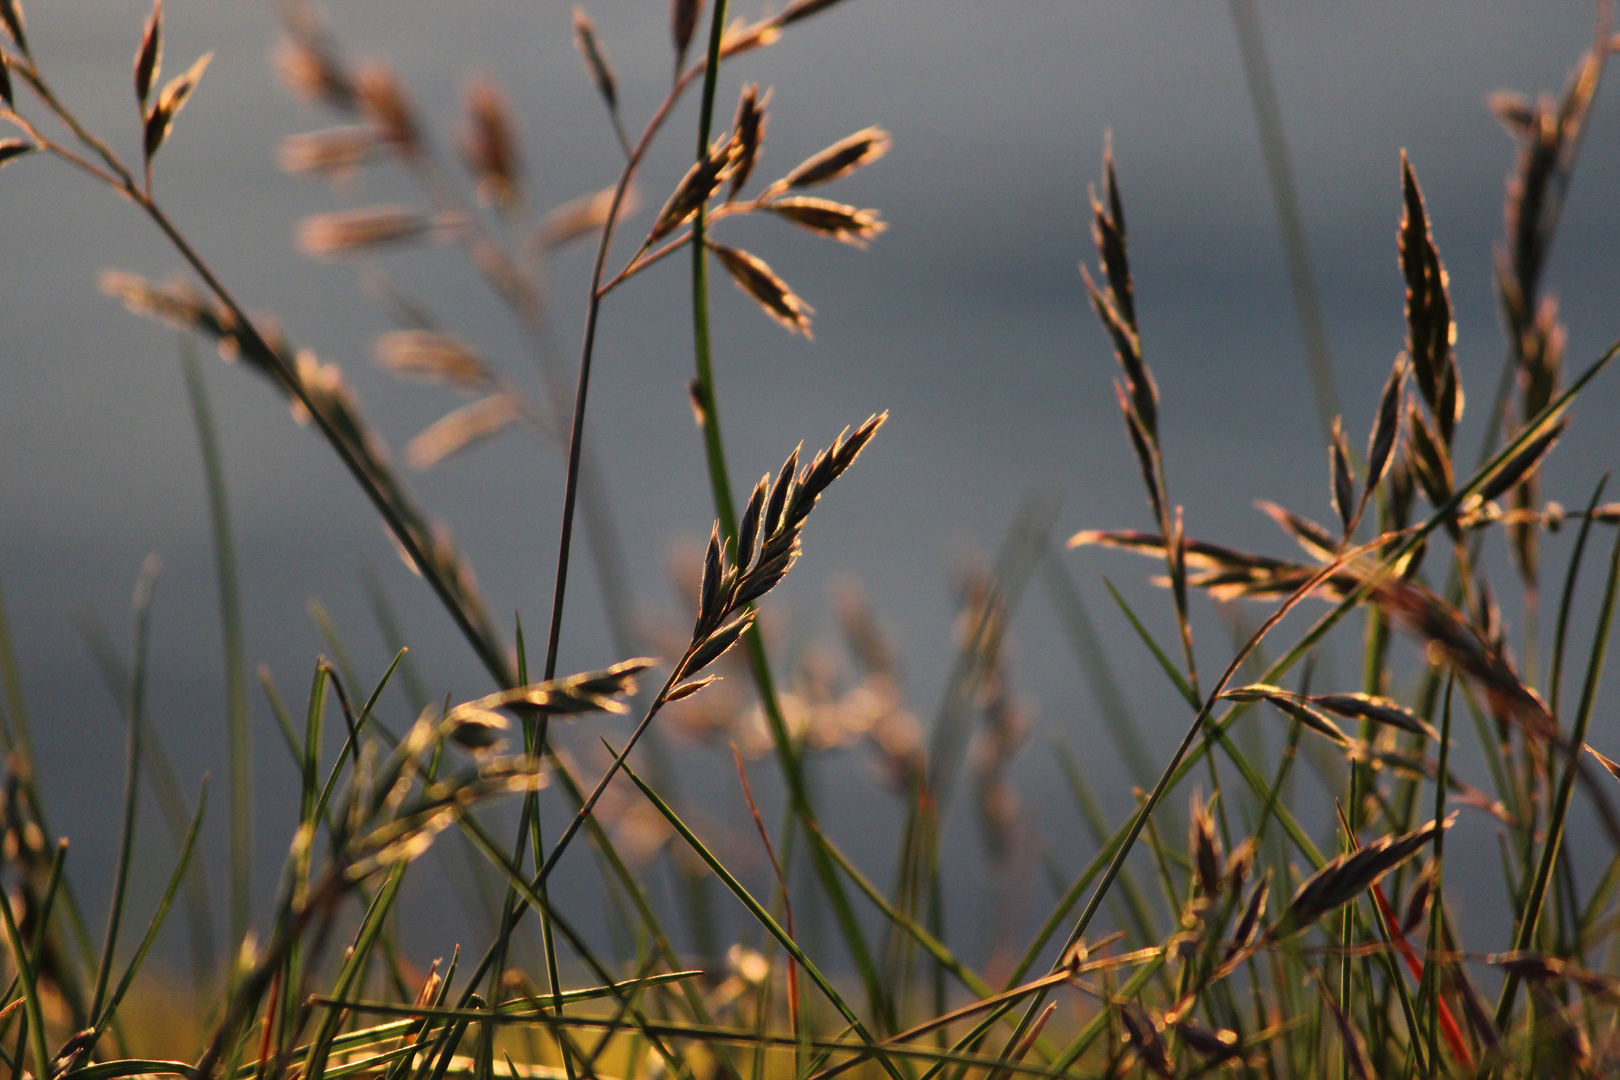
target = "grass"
x: 1246, y: 943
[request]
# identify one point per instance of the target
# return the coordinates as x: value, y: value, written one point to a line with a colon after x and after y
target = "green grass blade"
x: 1176, y: 677
x: 170, y: 797
x: 310, y: 751
x: 1530, y: 913
x: 238, y: 732
x: 1089, y: 652
x: 393, y: 635
x: 1566, y: 600
x: 33, y: 1008
x: 182, y: 863
x: 132, y: 773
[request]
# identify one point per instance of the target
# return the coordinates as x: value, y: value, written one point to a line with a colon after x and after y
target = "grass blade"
x: 239, y: 736
x: 1530, y: 914
x: 132, y: 772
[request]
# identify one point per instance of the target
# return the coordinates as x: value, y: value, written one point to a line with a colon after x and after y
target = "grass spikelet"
x: 11, y: 18
x: 489, y: 143
x: 170, y: 101
x: 1347, y: 876
x: 12, y: 149
x: 330, y: 236
x: 335, y: 153
x: 596, y: 61
x: 434, y: 357
x: 700, y: 183
x: 840, y: 159
x: 744, y: 36
x: 579, y: 218
x: 383, y: 100
x: 826, y: 218
x: 149, y: 56
x: 1523, y: 464
x: 1429, y: 326
x: 749, y: 129
x: 1343, y: 479
x: 758, y: 280
x: 803, y: 9
x: 683, y: 20
x: 463, y: 428
x: 1386, y: 428
x: 308, y: 66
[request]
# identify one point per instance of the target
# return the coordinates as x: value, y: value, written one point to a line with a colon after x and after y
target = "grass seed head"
x: 683, y: 20
x: 699, y: 184
x: 596, y: 61
x: 758, y: 280
x: 434, y: 357
x: 489, y: 143
x: 749, y: 127
x: 462, y: 429
x: 384, y: 102
x: 335, y: 153
x: 826, y: 218
x: 840, y: 159
x: 149, y: 56
x: 329, y: 236
x: 581, y: 217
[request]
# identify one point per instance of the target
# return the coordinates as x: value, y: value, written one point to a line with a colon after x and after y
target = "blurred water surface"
x: 966, y: 320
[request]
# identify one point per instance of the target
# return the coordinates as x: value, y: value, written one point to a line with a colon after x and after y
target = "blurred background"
x: 967, y: 320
